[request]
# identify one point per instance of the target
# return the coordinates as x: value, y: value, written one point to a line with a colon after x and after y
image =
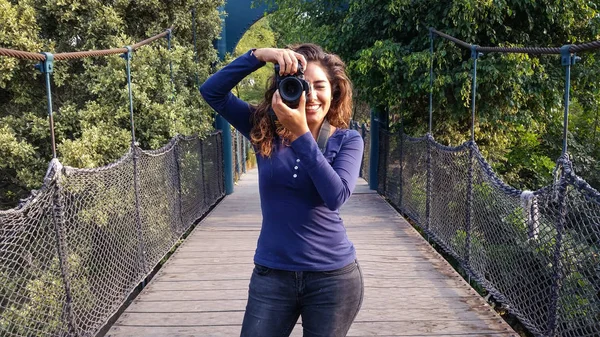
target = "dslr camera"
x: 291, y: 86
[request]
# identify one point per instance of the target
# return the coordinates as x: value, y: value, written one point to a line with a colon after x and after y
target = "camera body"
x: 291, y: 86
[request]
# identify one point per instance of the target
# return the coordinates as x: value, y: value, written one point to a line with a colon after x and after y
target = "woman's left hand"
x: 292, y: 119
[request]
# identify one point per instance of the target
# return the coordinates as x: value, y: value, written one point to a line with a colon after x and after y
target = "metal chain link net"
x: 537, y: 252
x: 32, y: 292
x: 239, y: 145
x: 414, y: 169
x: 367, y: 153
x: 71, y: 254
x: 365, y: 133
x: 235, y: 146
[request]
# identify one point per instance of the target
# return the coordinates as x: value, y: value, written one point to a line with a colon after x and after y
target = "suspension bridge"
x: 74, y: 252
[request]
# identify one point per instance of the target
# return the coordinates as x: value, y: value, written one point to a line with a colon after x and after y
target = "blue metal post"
x: 136, y: 185
x: 469, y: 212
x: 567, y: 60
x: 46, y: 67
x: 428, y: 191
x: 374, y: 157
x: 363, y: 134
x: 127, y: 56
x: 222, y: 124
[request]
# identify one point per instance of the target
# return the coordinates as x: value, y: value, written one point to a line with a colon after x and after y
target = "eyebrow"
x: 319, y: 81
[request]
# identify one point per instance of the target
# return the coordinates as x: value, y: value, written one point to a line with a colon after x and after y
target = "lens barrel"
x: 290, y: 89
x: 291, y: 86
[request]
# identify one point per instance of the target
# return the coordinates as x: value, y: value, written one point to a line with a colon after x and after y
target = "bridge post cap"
x: 46, y: 66
x: 566, y: 58
x: 474, y: 53
x: 127, y: 55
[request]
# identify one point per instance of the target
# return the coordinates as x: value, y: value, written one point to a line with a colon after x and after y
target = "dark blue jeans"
x: 327, y: 301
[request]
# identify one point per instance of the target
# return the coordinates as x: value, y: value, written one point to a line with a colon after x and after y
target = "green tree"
x: 260, y: 35
x: 519, y: 96
x: 90, y: 99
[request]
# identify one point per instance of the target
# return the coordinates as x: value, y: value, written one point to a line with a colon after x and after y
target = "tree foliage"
x: 260, y: 35
x: 90, y: 99
x: 519, y: 97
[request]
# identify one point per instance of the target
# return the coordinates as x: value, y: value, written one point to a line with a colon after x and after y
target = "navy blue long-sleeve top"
x: 301, y: 189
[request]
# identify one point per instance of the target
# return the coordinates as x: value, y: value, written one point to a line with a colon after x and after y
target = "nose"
x: 312, y: 94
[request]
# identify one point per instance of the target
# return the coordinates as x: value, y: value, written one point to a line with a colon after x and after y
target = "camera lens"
x: 290, y: 89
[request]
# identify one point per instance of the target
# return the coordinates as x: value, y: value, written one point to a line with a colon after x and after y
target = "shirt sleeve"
x: 334, y: 182
x: 216, y: 91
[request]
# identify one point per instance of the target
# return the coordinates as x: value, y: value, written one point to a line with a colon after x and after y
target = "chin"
x: 314, y: 120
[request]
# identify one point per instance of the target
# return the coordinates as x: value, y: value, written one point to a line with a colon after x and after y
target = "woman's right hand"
x: 287, y: 59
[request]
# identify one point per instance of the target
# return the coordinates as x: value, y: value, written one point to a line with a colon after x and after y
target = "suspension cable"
x: 521, y: 50
x: 79, y: 54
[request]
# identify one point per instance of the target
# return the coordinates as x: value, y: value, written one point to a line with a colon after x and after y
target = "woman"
x: 304, y: 263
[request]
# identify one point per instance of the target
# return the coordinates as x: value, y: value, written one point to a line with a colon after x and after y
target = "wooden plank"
x: 221, y: 295
x: 370, y: 303
x: 382, y: 285
x: 409, y: 289
x: 234, y: 317
x: 229, y: 331
x: 398, y: 296
x: 192, y: 331
x: 185, y: 274
x: 190, y: 259
x: 359, y: 328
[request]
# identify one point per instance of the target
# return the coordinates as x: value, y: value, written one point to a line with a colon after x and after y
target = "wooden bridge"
x: 410, y: 290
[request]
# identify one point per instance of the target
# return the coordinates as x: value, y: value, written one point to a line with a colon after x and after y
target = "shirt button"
x: 295, y: 167
x: 295, y: 175
x: 297, y: 160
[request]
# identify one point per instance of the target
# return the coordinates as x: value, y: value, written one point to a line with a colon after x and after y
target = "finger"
x: 294, y: 62
x: 289, y: 63
x: 281, y: 62
x: 276, y: 98
x: 302, y: 103
x: 277, y: 101
x: 279, y: 107
x: 301, y: 59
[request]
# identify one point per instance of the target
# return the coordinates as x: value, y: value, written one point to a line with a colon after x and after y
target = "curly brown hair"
x: 262, y: 134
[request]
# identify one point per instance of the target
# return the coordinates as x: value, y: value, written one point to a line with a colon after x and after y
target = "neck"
x: 314, y: 130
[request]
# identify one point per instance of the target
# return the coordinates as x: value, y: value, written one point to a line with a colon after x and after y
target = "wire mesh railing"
x: 364, y: 131
x: 72, y: 253
x: 241, y: 153
x: 537, y: 252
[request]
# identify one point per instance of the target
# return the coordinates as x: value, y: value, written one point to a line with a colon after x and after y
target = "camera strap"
x: 323, y: 135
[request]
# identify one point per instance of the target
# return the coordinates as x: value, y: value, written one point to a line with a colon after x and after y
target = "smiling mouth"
x: 312, y: 108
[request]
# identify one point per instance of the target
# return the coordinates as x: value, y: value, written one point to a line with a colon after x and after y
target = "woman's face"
x: 318, y: 100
